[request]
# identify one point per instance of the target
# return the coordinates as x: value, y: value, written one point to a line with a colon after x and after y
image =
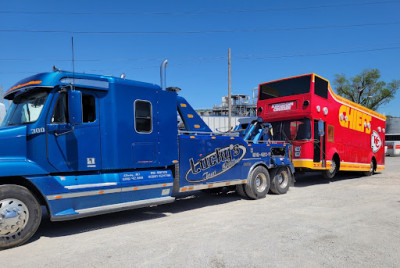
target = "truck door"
x: 74, y: 148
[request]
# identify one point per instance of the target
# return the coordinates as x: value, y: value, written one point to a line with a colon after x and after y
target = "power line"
x: 317, y: 54
x: 310, y: 53
x: 110, y: 60
x: 323, y: 51
x: 193, y: 12
x: 202, y: 31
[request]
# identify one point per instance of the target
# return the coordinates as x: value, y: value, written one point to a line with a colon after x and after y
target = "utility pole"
x: 229, y: 90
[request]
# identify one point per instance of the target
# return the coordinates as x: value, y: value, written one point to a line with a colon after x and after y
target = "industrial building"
x: 392, y: 136
x: 217, y: 117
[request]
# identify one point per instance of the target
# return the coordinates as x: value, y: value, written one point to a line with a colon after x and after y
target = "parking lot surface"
x: 349, y: 221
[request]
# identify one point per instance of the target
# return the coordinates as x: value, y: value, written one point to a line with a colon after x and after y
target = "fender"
x: 371, y: 155
x: 19, y: 167
x: 282, y: 162
x: 259, y: 163
x: 331, y: 152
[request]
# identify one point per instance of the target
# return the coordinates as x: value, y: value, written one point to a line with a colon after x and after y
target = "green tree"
x: 366, y: 89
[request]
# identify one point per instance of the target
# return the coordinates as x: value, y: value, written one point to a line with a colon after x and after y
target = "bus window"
x: 287, y: 87
x: 294, y: 130
x: 331, y: 133
x: 321, y: 87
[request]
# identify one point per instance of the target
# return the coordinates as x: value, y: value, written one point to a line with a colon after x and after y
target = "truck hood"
x: 13, y: 153
x: 13, y: 143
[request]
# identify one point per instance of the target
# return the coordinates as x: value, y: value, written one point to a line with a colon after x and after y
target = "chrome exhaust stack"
x: 163, y: 74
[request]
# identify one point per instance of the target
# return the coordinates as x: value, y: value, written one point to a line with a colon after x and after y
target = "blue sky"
x: 269, y: 40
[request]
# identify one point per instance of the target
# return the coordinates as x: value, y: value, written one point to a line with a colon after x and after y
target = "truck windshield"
x: 26, y: 108
x: 287, y: 87
x: 291, y: 130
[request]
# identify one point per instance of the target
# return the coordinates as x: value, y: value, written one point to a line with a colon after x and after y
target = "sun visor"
x: 46, y: 80
x: 86, y: 82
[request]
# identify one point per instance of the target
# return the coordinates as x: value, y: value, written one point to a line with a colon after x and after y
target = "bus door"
x: 319, y: 142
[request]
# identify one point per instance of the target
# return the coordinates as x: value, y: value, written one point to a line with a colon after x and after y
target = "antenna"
x: 73, y: 61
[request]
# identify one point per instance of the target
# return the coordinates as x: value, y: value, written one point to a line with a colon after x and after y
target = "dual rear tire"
x: 259, y: 183
x: 281, y: 180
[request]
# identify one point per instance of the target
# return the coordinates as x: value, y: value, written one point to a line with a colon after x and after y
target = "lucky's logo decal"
x: 376, y: 141
x: 215, y: 163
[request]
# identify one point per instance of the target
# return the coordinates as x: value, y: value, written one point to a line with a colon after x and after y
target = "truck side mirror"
x: 75, y: 107
x: 321, y: 130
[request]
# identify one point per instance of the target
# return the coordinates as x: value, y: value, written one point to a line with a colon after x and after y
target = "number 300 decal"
x: 37, y: 130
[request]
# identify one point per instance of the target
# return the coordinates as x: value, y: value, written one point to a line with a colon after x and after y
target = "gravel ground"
x: 350, y: 221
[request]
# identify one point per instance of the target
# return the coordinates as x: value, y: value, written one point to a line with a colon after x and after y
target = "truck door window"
x: 88, y: 108
x: 60, y: 113
x: 143, y: 116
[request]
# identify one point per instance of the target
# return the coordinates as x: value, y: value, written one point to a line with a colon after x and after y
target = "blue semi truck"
x: 79, y: 145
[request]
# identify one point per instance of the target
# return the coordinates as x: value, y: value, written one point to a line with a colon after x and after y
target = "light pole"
x: 229, y: 90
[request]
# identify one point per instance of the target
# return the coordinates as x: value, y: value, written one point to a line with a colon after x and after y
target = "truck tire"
x: 240, y: 190
x: 280, y: 181
x: 258, y: 183
x: 20, y: 215
x: 371, y: 170
x: 330, y: 173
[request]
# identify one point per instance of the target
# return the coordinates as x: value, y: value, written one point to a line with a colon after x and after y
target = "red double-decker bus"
x: 328, y: 132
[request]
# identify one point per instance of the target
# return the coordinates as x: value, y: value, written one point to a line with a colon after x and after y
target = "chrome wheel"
x: 331, y: 172
x: 261, y: 182
x: 283, y: 178
x: 333, y: 167
x: 258, y: 183
x: 14, y: 216
x: 20, y: 215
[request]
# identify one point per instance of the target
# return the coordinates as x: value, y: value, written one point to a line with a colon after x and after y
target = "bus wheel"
x: 20, y: 215
x: 280, y: 181
x: 330, y: 173
x: 258, y: 183
x: 371, y: 170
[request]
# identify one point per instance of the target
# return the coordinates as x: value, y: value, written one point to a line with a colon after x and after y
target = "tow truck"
x: 79, y: 145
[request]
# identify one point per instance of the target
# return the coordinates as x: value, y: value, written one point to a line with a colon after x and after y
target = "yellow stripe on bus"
x: 344, y: 166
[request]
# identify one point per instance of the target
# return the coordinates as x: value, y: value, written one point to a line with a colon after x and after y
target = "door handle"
x: 60, y: 129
